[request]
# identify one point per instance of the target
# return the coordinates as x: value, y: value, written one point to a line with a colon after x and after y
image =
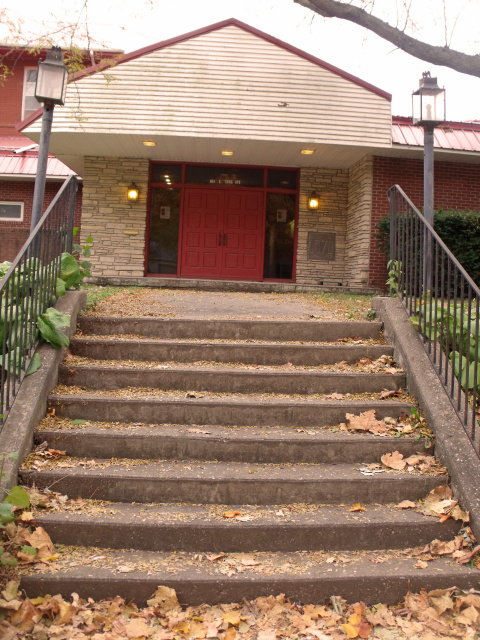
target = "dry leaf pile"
x: 447, y: 613
x: 367, y: 422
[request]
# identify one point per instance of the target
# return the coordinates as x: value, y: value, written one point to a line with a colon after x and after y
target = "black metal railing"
x: 29, y: 287
x: 443, y: 303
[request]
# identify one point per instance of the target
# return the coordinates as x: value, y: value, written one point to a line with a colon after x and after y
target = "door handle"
x: 224, y: 239
x: 219, y: 238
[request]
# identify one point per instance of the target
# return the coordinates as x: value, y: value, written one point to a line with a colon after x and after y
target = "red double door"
x: 222, y: 234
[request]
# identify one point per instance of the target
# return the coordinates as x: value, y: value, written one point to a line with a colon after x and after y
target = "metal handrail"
x: 443, y: 301
x: 29, y: 287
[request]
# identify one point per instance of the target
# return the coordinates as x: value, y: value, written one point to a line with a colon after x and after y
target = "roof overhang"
x: 202, y: 149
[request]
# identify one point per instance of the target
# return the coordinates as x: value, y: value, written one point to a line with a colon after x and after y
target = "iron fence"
x: 29, y: 287
x: 442, y: 302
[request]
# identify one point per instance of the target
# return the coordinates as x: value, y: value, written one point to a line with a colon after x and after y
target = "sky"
x: 132, y: 25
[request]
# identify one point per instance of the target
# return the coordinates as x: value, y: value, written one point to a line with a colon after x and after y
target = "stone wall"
x: 117, y: 226
x: 358, y: 222
x: 331, y: 185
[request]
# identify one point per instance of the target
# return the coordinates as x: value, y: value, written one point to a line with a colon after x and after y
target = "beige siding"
x: 227, y: 84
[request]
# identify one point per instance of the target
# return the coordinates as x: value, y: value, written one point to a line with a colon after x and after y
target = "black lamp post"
x: 50, y: 88
x: 428, y: 109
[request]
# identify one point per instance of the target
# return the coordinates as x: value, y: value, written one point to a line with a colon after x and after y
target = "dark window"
x: 224, y: 176
x: 281, y: 179
x: 11, y: 211
x: 167, y: 174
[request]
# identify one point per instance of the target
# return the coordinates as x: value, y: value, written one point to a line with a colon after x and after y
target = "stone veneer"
x: 358, y: 223
x: 331, y: 185
x: 117, y: 226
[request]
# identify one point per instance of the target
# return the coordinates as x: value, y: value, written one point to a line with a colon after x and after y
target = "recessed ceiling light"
x: 227, y: 153
x: 307, y: 152
x: 149, y: 143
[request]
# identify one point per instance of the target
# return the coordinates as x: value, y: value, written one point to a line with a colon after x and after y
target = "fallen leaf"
x: 406, y: 504
x: 248, y: 561
x: 138, y: 629
x: 216, y: 556
x: 357, y: 507
x: 394, y: 461
x: 389, y: 394
x: 232, y: 617
x: 231, y: 514
x: 165, y: 599
x: 421, y: 565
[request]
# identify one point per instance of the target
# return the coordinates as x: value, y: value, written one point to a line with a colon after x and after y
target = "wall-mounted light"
x: 307, y: 152
x: 225, y: 152
x: 313, y: 201
x: 149, y: 143
x: 132, y: 193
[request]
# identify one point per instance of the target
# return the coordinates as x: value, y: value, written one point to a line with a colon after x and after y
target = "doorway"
x: 222, y: 234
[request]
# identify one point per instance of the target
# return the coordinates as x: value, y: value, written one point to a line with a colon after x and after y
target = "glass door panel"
x: 279, y: 236
x: 164, y: 227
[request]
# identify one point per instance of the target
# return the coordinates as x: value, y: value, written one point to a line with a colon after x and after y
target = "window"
x: 30, y: 103
x: 11, y: 211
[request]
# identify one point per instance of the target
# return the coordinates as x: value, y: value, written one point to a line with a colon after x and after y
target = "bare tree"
x: 363, y: 16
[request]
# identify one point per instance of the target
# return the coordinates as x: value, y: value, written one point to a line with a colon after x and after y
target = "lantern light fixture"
x: 313, y: 201
x: 226, y: 152
x: 307, y: 152
x: 428, y: 102
x: 149, y: 143
x: 52, y: 76
x: 132, y: 193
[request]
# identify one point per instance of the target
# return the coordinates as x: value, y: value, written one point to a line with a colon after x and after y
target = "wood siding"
x: 227, y: 83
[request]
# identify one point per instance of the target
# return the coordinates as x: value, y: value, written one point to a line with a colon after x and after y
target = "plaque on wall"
x: 321, y: 246
x: 164, y: 213
x: 281, y: 215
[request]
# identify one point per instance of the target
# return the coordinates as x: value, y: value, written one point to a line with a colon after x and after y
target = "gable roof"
x: 105, y: 64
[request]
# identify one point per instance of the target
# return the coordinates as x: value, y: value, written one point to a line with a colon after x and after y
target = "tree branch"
x: 462, y: 62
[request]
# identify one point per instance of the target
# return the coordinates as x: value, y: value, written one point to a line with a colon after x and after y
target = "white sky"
x: 120, y: 25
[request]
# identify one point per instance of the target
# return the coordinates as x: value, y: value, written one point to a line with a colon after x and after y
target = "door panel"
x: 243, y: 229
x: 222, y: 234
x: 201, y: 253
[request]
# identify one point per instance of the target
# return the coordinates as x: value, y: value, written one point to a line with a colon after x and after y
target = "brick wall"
x: 332, y: 187
x: 14, y: 234
x: 358, y: 222
x: 457, y: 186
x: 117, y: 226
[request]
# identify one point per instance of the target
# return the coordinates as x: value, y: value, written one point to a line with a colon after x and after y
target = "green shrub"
x: 459, y: 230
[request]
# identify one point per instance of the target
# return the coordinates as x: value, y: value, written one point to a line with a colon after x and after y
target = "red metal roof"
x: 457, y: 136
x: 24, y: 164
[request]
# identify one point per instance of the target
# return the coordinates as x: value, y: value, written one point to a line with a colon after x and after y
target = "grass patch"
x: 96, y: 293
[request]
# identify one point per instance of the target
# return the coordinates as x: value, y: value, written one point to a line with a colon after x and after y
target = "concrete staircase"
x: 203, y: 455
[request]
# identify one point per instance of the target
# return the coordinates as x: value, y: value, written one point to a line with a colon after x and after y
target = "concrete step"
x: 267, y: 353
x: 227, y: 483
x: 201, y: 528
x: 303, y: 577
x: 254, y: 444
x: 229, y: 379
x: 251, y: 410
x: 270, y: 330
